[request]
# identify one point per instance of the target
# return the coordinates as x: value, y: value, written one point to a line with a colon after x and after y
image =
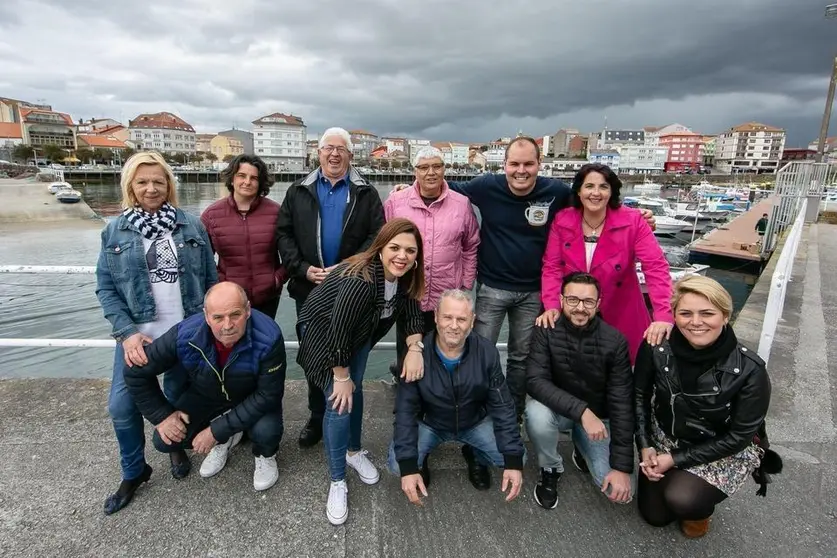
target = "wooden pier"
x: 736, y: 240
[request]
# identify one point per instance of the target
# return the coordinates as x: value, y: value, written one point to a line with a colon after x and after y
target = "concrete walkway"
x: 25, y: 201
x: 58, y: 462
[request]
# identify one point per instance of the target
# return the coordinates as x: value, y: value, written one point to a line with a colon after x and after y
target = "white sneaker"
x: 217, y: 458
x: 337, y: 509
x: 360, y: 463
x: 266, y: 473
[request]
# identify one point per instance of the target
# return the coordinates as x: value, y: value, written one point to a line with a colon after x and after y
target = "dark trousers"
x: 268, y: 307
x: 265, y: 434
x: 679, y: 495
x: 401, y: 341
x: 316, y: 397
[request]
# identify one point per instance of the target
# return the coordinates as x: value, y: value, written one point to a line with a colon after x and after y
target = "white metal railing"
x: 779, y: 284
x: 109, y: 343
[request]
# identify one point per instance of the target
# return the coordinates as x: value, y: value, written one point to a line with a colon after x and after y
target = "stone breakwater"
x: 25, y: 201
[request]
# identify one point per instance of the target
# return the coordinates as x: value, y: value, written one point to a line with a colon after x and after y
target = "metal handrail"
x: 110, y: 343
x: 779, y: 284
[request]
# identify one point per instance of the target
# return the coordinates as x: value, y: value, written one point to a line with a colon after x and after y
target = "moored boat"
x: 55, y: 187
x: 68, y: 196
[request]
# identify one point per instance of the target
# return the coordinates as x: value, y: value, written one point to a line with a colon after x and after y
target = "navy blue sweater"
x: 511, y: 250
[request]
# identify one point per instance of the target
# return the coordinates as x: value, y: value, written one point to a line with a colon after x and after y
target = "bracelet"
x: 410, y: 350
x: 342, y: 380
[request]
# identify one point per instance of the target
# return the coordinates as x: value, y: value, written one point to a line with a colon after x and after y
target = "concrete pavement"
x: 58, y: 462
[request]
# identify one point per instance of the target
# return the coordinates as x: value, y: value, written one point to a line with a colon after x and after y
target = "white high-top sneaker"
x: 217, y: 458
x: 266, y: 473
x: 337, y: 509
x: 365, y: 469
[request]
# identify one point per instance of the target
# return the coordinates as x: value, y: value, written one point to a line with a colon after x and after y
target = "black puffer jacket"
x: 571, y: 369
x: 720, y: 418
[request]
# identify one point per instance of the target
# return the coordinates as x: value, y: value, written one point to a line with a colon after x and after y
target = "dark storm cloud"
x: 462, y: 68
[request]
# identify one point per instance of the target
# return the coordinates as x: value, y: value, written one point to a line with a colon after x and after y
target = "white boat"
x: 55, y: 187
x: 666, y: 225
x: 648, y: 187
x: 676, y: 273
x: 68, y: 196
x: 688, y: 211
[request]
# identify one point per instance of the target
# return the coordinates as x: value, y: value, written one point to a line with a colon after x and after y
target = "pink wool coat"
x: 626, y: 239
x: 451, y: 238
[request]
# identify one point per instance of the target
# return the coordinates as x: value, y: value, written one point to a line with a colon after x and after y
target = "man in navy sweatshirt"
x: 516, y: 210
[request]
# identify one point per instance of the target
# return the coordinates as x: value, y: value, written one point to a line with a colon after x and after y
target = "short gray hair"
x: 340, y: 132
x: 457, y: 294
x: 428, y: 152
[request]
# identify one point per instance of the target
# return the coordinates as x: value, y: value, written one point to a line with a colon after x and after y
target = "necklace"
x: 592, y: 228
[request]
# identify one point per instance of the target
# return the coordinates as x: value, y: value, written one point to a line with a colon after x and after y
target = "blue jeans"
x: 341, y: 432
x: 544, y: 426
x: 480, y: 437
x: 127, y: 420
x: 492, y: 305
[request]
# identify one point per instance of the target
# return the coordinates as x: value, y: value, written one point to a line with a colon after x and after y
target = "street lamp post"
x: 830, y: 13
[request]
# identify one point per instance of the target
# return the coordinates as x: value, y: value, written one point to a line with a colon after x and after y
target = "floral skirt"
x: 727, y: 474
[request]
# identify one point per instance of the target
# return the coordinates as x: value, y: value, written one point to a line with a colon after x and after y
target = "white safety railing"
x: 109, y: 343
x: 779, y: 284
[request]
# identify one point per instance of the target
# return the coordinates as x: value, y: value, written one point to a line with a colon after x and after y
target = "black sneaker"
x: 579, y: 461
x: 546, y: 491
x: 478, y: 474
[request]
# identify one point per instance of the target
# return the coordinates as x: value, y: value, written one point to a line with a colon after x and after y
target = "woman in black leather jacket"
x: 701, y: 400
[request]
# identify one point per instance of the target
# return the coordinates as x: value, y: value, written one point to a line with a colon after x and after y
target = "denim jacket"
x: 123, y: 286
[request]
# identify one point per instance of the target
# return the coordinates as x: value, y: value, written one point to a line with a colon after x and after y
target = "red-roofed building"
x: 10, y: 134
x: 95, y: 141
x: 42, y: 127
x: 163, y: 132
x: 281, y: 141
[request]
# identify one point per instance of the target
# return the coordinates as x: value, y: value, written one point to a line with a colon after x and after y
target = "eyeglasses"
x: 425, y: 168
x: 572, y: 301
x: 332, y: 148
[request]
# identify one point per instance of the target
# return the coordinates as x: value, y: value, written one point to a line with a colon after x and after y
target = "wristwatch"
x: 418, y: 344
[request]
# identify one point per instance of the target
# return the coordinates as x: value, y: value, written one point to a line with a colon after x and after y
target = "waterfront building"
x: 312, y: 148
x: 560, y: 144
x: 749, y: 147
x: 612, y: 138
x: 10, y: 135
x: 96, y: 141
x: 395, y: 144
x: 653, y: 133
x: 578, y: 146
x: 642, y: 159
x: 609, y: 157
x: 10, y: 109
x: 281, y: 141
x: 224, y: 147
x: 797, y: 154
x: 245, y: 137
x: 42, y: 127
x: 684, y: 150
x: 96, y: 125
x: 163, y: 132
x: 495, y: 157
x: 829, y: 149
x: 561, y: 166
x: 708, y: 151
x: 202, y: 142
x: 447, y: 155
x: 413, y: 145
x: 363, y: 143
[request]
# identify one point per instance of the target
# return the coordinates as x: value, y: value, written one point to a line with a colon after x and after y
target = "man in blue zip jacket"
x: 462, y: 397
x: 234, y: 358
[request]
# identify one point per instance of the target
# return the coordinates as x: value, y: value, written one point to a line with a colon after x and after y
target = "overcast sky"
x: 467, y: 70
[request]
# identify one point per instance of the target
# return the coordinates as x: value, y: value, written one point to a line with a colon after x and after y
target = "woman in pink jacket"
x: 449, y: 228
x: 600, y: 236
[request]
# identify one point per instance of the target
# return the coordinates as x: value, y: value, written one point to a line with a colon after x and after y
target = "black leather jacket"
x: 719, y: 419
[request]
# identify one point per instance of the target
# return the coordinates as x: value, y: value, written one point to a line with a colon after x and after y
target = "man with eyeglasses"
x: 234, y: 357
x: 579, y: 378
x: 326, y: 217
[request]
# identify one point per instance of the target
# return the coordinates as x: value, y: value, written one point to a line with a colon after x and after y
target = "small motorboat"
x: 676, y: 273
x: 55, y: 187
x: 68, y: 196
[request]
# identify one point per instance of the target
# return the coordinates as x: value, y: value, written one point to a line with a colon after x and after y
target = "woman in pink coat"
x: 600, y: 236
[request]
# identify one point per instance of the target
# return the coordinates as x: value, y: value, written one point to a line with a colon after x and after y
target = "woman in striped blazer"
x: 340, y: 322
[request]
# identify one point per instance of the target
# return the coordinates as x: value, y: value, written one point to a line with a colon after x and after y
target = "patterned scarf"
x: 152, y: 225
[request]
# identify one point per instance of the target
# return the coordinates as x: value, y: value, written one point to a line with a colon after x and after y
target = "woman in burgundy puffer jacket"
x: 242, y: 229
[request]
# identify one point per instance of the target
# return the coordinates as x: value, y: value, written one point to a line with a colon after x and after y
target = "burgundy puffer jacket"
x: 246, y: 246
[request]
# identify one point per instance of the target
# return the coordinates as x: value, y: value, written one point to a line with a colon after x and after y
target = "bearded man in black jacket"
x: 578, y: 377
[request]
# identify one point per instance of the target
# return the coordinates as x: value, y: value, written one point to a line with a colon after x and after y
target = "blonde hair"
x: 129, y: 171
x: 706, y: 287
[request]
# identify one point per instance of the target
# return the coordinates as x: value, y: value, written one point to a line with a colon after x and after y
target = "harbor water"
x: 65, y: 306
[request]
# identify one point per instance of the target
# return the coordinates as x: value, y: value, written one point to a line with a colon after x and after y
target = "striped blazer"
x: 342, y: 314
